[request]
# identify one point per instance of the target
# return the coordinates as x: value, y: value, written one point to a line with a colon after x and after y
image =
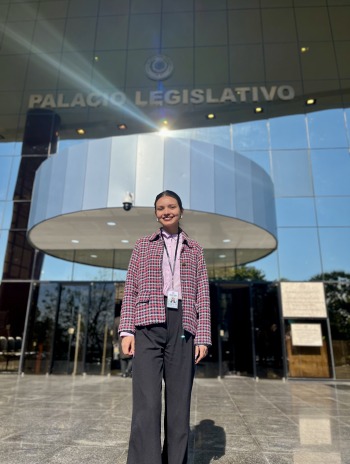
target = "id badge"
x: 173, y: 299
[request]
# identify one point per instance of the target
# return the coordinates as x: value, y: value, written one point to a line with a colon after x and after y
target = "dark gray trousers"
x: 161, y: 351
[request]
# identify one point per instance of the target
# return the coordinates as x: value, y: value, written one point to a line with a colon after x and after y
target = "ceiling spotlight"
x: 304, y: 49
x: 258, y: 109
x: 164, y: 131
x: 80, y: 131
x: 226, y: 240
x: 310, y: 101
x: 96, y: 58
x: 75, y: 241
x: 122, y: 126
x: 111, y: 223
x: 211, y: 116
x: 124, y: 241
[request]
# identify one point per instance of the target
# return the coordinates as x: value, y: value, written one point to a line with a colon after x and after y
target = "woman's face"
x: 168, y: 213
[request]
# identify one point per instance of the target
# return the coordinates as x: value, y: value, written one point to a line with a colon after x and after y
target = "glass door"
x: 70, y: 330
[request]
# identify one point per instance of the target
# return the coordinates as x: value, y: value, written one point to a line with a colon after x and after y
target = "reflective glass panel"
x: 13, y: 306
x: 299, y: 254
x: 260, y: 157
x: 331, y: 169
x: 250, y: 136
x: 56, y: 269
x: 41, y: 329
x: 268, y: 266
x: 327, y: 129
x: 288, y: 132
x: 99, y: 349
x: 216, y: 135
x: 5, y: 170
x: 338, y: 305
x: 335, y: 249
x: 333, y: 211
x: 71, y: 330
x: 86, y: 272
x: 295, y: 212
x: 291, y: 173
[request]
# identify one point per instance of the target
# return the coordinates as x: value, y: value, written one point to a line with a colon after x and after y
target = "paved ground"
x: 65, y: 420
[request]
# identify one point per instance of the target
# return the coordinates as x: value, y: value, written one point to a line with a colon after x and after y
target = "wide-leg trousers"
x: 162, y: 351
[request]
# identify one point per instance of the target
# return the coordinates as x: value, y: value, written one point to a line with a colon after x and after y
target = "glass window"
x: 333, y: 211
x: 216, y: 135
x: 7, y: 149
x: 291, y: 173
x: 3, y: 245
x: 268, y: 266
x: 327, y: 129
x: 56, y: 269
x: 295, y: 212
x: 299, y: 253
x: 86, y: 272
x: 331, y: 169
x: 5, y: 170
x: 335, y: 249
x: 288, y: 132
x: 250, y: 136
x: 347, y: 121
x: 41, y: 329
x: 261, y: 157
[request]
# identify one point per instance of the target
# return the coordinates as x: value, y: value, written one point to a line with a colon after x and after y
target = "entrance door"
x: 70, y: 330
x: 236, y: 330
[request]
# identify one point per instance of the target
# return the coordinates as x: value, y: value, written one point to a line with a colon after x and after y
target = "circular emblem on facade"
x: 159, y: 67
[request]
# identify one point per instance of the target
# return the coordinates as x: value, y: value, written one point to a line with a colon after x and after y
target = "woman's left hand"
x: 200, y: 352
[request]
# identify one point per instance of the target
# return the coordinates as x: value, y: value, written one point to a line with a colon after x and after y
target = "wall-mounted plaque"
x: 306, y: 334
x: 303, y: 299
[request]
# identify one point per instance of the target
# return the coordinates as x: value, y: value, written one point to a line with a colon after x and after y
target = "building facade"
x: 247, y: 94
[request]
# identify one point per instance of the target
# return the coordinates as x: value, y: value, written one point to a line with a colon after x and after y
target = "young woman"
x: 165, y: 324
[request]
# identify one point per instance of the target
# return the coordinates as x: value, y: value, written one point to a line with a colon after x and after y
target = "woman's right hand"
x: 128, y: 345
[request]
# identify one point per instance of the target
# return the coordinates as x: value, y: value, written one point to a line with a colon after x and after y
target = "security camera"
x: 127, y: 202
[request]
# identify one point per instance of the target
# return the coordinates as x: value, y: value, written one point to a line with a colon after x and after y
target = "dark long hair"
x: 169, y: 193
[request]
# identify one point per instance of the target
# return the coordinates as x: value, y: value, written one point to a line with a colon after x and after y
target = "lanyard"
x: 172, y: 268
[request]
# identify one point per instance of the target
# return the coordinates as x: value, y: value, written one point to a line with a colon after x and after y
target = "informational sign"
x: 303, y: 299
x: 306, y: 334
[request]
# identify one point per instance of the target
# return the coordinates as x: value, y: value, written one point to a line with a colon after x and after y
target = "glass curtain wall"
x: 307, y: 157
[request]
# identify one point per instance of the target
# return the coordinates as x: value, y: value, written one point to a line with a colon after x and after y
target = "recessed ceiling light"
x: 222, y: 256
x: 124, y: 241
x: 165, y: 122
x: 111, y: 223
x: 310, y: 101
x: 93, y: 256
x: 226, y: 240
x: 96, y: 58
x: 80, y: 131
x: 75, y: 241
x: 122, y: 126
x: 304, y: 49
x: 211, y: 116
x: 258, y: 109
x: 164, y: 131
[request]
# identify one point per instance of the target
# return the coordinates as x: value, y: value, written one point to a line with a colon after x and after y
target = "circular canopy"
x: 77, y: 211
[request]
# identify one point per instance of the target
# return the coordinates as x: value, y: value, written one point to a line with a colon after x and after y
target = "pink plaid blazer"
x: 143, y: 302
